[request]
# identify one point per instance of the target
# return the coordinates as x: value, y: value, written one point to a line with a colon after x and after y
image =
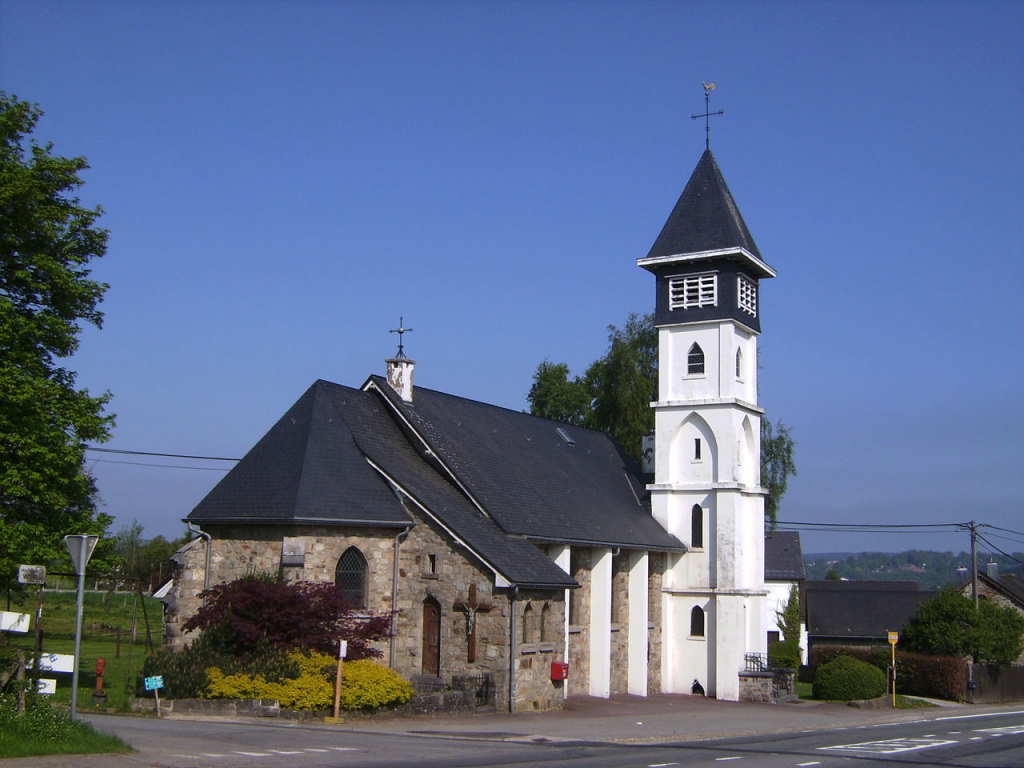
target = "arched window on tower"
x: 697, y: 527
x: 350, y: 577
x: 739, y: 364
x: 697, y: 622
x: 545, y: 621
x: 695, y: 360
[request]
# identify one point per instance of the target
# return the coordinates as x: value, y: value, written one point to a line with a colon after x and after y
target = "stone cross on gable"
x: 471, y: 607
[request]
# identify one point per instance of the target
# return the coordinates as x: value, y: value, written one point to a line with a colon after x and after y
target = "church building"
x: 529, y: 552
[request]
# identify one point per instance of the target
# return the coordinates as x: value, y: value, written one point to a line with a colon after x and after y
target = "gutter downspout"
x: 512, y: 651
x: 206, y: 568
x: 394, y: 595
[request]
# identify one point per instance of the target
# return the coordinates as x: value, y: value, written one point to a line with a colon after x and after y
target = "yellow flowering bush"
x: 365, y: 685
x: 313, y: 689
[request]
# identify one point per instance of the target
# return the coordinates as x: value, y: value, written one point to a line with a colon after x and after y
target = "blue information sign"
x: 153, y: 683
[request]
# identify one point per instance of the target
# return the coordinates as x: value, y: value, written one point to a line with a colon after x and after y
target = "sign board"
x: 894, y: 637
x: 47, y: 685
x: 80, y: 547
x: 342, y: 649
x: 154, y: 683
x: 31, y: 574
x: 57, y: 662
x: 13, y: 622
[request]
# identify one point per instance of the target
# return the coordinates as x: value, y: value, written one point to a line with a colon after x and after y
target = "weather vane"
x: 400, y: 330
x: 708, y: 88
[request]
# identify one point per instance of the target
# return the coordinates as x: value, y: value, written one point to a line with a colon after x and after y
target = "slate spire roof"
x: 705, y: 218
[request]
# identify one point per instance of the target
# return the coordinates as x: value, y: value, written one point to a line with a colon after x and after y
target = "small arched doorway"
x: 431, y: 637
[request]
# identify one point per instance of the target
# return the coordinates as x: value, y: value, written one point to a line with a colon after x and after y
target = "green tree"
x: 615, y: 394
x: 47, y: 240
x: 777, y: 464
x: 554, y: 395
x: 789, y: 616
x: 624, y: 382
x: 950, y: 625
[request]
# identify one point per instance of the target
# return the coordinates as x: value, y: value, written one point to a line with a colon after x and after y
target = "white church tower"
x: 706, y: 486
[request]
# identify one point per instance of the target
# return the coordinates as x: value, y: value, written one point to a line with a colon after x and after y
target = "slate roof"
x: 531, y: 480
x: 705, y: 217
x: 307, y: 469
x: 333, y: 457
x: 860, y: 610
x: 783, y: 557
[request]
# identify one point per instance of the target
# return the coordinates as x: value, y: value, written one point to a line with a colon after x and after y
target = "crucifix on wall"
x: 471, y: 607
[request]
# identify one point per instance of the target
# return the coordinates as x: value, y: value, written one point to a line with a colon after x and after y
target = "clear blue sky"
x: 283, y: 180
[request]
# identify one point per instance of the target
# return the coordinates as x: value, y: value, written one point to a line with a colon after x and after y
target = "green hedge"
x: 846, y: 679
x: 917, y: 674
x: 784, y: 654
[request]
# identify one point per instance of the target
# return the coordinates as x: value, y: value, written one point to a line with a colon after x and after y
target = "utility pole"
x: 974, y: 562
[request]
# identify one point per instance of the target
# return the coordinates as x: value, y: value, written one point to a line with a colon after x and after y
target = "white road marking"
x: 287, y: 752
x: 723, y: 759
x: 343, y: 749
x: 891, y: 746
x: 1011, y: 730
x: 804, y: 765
x: 661, y: 765
x: 984, y: 714
x: 252, y: 754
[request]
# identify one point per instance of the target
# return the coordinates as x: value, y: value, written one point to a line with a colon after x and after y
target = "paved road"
x: 622, y: 732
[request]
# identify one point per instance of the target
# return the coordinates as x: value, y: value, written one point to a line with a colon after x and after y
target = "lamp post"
x: 80, y: 547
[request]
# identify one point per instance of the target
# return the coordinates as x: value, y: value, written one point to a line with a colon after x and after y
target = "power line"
x: 795, y: 525
x: 160, y: 466
x: 159, y: 455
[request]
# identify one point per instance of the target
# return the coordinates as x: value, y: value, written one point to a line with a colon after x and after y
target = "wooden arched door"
x: 431, y: 637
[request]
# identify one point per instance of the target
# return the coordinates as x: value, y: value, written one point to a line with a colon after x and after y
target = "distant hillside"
x: 933, y: 570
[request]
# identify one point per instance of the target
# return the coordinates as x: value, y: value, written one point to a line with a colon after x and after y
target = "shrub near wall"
x: 846, y: 679
x: 917, y: 674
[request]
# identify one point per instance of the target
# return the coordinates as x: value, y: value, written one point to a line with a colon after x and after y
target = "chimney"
x: 993, y: 570
x: 400, y: 371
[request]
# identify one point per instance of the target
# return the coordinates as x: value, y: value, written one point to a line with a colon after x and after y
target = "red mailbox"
x: 559, y: 670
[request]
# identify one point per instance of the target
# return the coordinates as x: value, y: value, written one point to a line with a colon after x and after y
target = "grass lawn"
x: 103, y: 614
x: 806, y: 691
x: 54, y: 734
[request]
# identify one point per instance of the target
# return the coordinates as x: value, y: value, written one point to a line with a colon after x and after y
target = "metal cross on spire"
x: 708, y: 88
x: 400, y: 330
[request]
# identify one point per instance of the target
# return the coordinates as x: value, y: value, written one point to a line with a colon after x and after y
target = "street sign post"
x: 154, y: 684
x: 80, y: 547
x: 894, y: 637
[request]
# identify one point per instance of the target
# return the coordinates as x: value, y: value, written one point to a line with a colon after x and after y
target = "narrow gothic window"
x: 739, y: 363
x: 695, y: 360
x: 696, y: 449
x: 350, y: 577
x: 545, y: 620
x: 697, y: 622
x: 527, y: 624
x: 697, y: 527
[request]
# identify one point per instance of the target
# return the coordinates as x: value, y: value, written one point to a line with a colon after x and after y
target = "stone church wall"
x: 579, y: 621
x: 620, y: 624
x: 655, y: 620
x: 429, y: 570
